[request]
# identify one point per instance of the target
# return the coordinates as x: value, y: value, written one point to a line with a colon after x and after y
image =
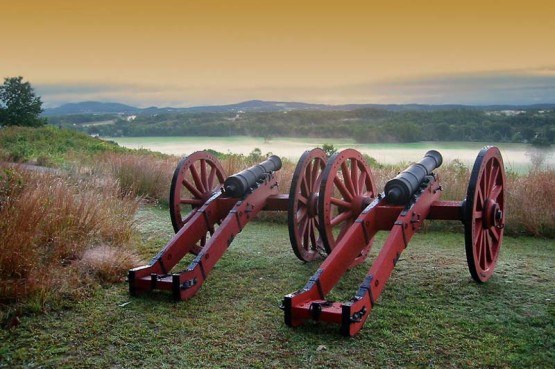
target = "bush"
x: 47, y: 225
x: 51, y: 145
x: 141, y: 175
x: 530, y: 209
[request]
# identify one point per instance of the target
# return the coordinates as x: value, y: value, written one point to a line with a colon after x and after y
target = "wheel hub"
x: 312, y: 203
x: 360, y: 203
x: 492, y: 215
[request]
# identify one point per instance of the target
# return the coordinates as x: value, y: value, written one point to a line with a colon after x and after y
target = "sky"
x: 209, y: 52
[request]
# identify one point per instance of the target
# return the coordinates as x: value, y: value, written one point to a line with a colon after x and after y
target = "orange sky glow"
x: 185, y: 53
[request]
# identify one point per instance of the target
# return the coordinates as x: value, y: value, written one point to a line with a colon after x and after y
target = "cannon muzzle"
x: 238, y: 184
x: 400, y: 189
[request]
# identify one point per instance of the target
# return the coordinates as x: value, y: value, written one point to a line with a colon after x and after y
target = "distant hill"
x: 95, y: 107
x: 92, y: 107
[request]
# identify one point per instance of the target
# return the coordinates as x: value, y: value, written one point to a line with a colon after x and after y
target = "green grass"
x: 49, y: 145
x: 55, y: 147
x: 430, y: 315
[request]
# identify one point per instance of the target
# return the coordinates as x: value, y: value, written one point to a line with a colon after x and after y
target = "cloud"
x: 522, y: 86
x: 135, y: 94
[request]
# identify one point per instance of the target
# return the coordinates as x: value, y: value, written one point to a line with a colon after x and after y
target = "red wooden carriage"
x: 334, y: 210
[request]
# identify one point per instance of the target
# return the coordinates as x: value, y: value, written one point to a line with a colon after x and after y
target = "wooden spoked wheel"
x: 196, y: 178
x: 484, y: 218
x: 347, y: 187
x: 303, y: 198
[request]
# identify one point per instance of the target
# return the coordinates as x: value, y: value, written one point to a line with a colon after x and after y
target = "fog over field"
x: 517, y: 157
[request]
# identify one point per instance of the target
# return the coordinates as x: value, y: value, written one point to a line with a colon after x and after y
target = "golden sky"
x: 184, y: 53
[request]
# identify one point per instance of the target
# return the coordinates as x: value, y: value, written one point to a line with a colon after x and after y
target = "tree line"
x: 363, y: 125
x: 19, y: 105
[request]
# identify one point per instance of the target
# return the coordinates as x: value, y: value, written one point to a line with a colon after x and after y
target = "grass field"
x: 516, y: 156
x: 430, y: 315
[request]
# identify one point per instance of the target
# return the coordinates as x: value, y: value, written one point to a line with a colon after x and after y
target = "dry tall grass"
x: 47, y: 224
x: 530, y: 198
x: 531, y: 203
x: 142, y: 175
x: 62, y: 235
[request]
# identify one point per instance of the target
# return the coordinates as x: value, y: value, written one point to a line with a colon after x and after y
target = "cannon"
x: 208, y: 210
x: 334, y: 212
x: 238, y: 184
x: 351, y: 212
x: 400, y: 189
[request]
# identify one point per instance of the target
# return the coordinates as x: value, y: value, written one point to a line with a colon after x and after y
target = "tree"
x: 329, y: 149
x: 19, y: 106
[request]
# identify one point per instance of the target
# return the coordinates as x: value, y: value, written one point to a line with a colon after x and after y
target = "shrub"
x: 47, y: 224
x: 530, y: 208
x: 50, y: 145
x: 141, y: 175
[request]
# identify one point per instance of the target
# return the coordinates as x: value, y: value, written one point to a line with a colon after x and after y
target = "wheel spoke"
x: 347, y: 177
x: 342, y: 189
x: 479, y: 197
x: 211, y: 177
x: 341, y: 218
x: 196, y: 202
x: 483, y: 253
x: 308, y: 176
x: 495, y: 192
x: 493, y: 179
x: 494, y: 235
x: 312, y: 235
x: 362, y: 183
x: 354, y: 177
x: 340, y: 203
x: 491, y: 176
x: 196, y: 179
x: 304, y: 188
x: 301, y: 214
x: 477, y: 214
x: 315, y: 175
x: 203, y: 175
x: 304, y: 232
x: 485, y: 179
x: 192, y: 189
x: 489, y: 250
x: 478, y: 244
x: 303, y: 200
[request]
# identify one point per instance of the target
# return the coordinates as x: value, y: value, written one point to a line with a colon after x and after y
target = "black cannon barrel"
x: 238, y: 184
x: 400, y: 189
